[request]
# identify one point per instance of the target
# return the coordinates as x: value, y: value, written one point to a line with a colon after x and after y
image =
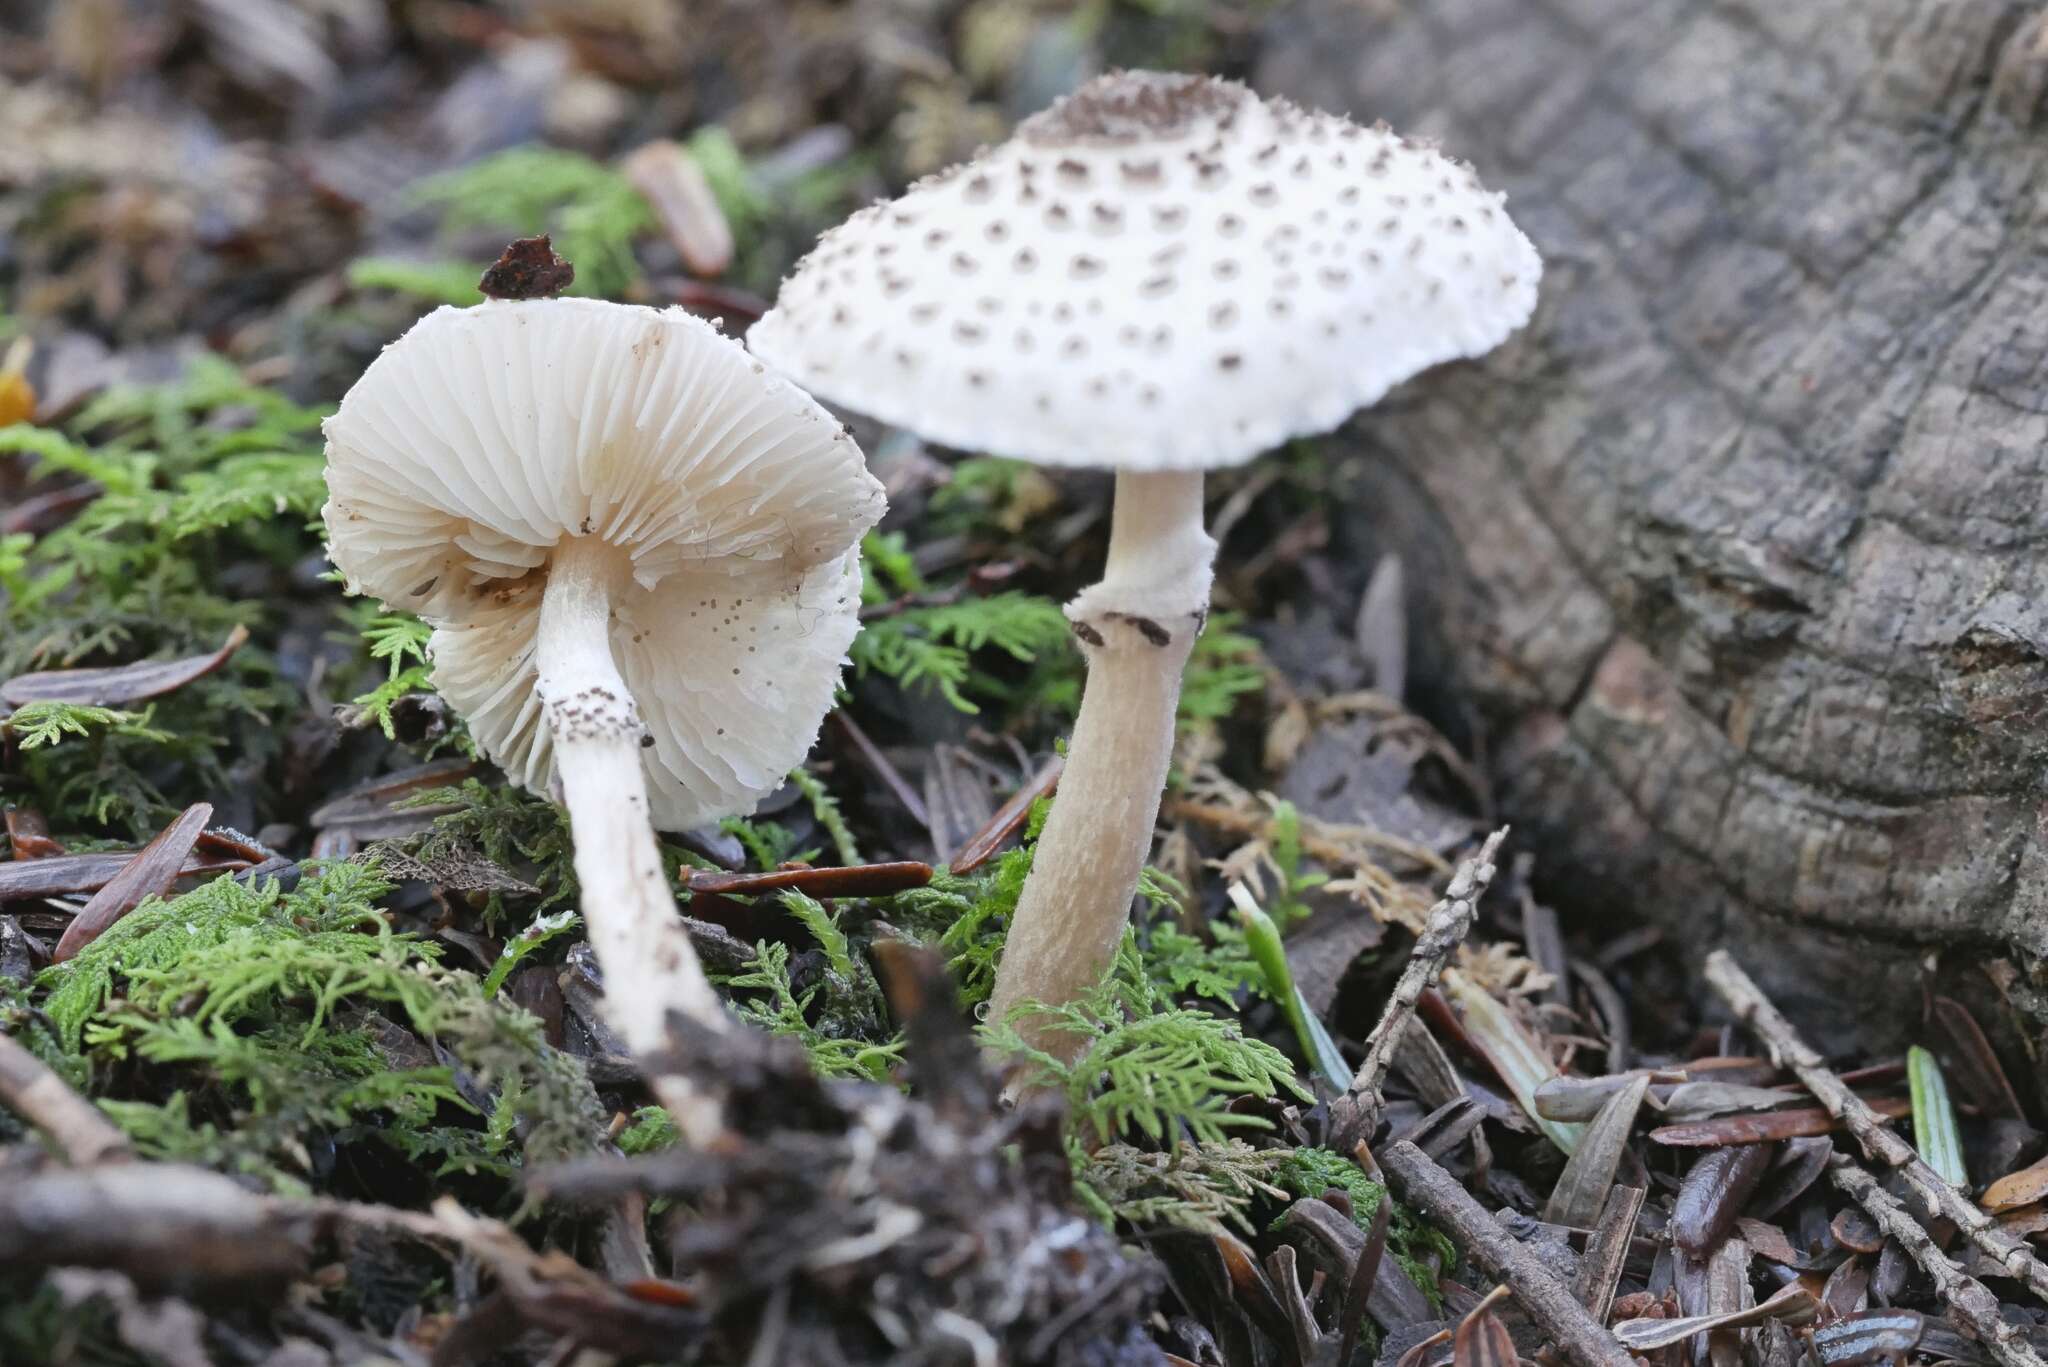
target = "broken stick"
x: 1437, y: 1196
x: 1449, y: 921
x: 1880, y: 1144
x: 81, y: 1133
x: 1972, y: 1301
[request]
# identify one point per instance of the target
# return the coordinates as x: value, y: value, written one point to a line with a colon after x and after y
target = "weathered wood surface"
x: 1742, y: 548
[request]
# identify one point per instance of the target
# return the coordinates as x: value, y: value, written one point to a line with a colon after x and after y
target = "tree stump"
x: 1741, y: 548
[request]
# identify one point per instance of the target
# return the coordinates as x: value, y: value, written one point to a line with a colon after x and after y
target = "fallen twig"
x: 39, y: 1096
x: 187, y: 1230
x: 872, y: 756
x: 856, y: 880
x: 1449, y: 920
x: 1437, y: 1196
x: 1971, y: 1300
x: 169, y: 1226
x: 1879, y: 1143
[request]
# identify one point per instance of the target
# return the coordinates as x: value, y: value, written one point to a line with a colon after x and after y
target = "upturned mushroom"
x: 639, y: 554
x: 1160, y: 274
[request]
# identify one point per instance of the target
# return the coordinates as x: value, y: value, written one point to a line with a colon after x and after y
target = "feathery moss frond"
x: 1144, y: 1064
x: 274, y: 1005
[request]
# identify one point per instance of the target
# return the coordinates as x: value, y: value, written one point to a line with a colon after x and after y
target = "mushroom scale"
x: 1159, y: 272
x: 487, y: 437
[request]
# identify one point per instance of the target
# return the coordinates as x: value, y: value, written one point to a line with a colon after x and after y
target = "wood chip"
x: 2022, y: 1188
x: 1008, y: 819
x: 1483, y: 1341
x: 1333, y: 1240
x: 28, y: 834
x: 371, y: 810
x: 61, y: 875
x: 1974, y: 1063
x: 1607, y: 1251
x: 1713, y: 1194
x: 1870, y: 1336
x: 681, y: 196
x: 861, y: 880
x: 1800, y: 1163
x: 1768, y: 1241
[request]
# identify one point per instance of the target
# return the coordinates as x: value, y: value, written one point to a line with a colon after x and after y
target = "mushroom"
x: 1160, y: 274
x: 639, y: 554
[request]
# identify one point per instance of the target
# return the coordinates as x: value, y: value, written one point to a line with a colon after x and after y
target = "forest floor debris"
x: 351, y: 1065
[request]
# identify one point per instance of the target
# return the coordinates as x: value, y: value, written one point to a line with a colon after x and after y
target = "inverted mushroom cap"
x: 1158, y: 272
x: 484, y: 437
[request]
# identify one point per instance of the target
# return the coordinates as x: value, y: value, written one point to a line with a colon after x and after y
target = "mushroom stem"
x: 650, y: 967
x: 1136, y: 628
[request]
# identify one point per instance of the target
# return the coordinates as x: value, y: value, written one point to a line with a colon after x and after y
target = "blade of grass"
x: 1262, y: 937
x: 1934, y: 1118
x: 1522, y: 1065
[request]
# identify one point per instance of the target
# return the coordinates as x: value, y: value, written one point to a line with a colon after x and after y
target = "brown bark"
x: 1740, y: 547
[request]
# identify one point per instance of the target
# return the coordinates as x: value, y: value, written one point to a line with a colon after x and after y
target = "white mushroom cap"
x: 485, y: 436
x: 1159, y: 272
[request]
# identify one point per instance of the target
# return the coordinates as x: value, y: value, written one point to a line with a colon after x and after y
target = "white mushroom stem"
x: 1136, y: 628
x: 650, y: 967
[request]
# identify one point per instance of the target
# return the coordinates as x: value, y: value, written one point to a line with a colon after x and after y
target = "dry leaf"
x: 2021, y: 1188
x: 117, y: 684
x: 1483, y: 1341
x: 149, y: 873
x: 1794, y: 1305
x: 1587, y: 1178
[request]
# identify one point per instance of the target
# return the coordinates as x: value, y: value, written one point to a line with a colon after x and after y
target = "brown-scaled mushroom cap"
x: 1158, y: 272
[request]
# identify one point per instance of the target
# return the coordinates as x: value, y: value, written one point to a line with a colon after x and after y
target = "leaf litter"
x: 350, y: 1066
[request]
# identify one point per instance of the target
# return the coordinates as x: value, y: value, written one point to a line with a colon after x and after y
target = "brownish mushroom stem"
x: 1136, y: 627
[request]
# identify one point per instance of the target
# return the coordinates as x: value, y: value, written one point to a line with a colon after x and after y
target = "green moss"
x: 592, y: 212
x: 1144, y: 1066
x: 1199, y: 1186
x: 259, y: 1018
x: 194, y: 477
x: 964, y: 918
x: 838, y: 1041
x: 653, y: 1129
x: 1308, y: 1172
x: 826, y: 808
x: 38, y: 724
x: 511, y: 828
x: 932, y: 645
x: 436, y: 282
x: 36, y: 1325
x: 769, y: 844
